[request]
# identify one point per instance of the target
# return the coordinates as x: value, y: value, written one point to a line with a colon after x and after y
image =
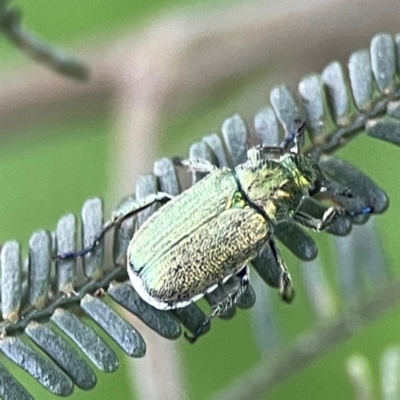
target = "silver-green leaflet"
x: 210, y: 232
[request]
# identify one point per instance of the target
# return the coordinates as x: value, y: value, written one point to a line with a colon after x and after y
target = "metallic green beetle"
x: 211, y: 231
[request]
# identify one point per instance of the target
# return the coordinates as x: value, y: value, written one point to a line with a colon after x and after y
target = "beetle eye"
x: 314, y: 188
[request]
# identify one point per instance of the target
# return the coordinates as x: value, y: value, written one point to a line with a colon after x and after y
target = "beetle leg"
x: 327, y: 219
x: 319, y: 224
x: 286, y: 290
x: 267, y: 149
x: 117, y: 217
x: 291, y: 137
x: 136, y: 206
x: 195, y: 164
x: 232, y: 298
x: 225, y: 304
x: 314, y: 223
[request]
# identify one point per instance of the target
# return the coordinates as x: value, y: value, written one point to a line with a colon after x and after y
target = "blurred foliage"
x: 46, y: 173
x: 45, y: 167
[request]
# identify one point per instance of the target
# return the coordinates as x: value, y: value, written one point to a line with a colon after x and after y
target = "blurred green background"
x: 41, y: 179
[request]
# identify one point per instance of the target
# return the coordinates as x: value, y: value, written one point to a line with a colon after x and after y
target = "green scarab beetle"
x: 211, y: 231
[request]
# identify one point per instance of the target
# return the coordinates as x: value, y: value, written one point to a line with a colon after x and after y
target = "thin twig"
x: 266, y: 376
x: 10, y: 25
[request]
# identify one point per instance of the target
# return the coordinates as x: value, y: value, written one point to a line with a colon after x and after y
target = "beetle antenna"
x: 299, y: 131
x: 293, y: 137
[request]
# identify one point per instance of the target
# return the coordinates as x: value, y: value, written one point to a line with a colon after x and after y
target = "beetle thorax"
x: 272, y: 187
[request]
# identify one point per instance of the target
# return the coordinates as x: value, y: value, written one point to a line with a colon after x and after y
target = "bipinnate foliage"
x: 337, y: 107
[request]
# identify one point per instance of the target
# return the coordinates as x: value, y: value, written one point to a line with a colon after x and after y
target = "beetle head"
x: 304, y: 168
x: 311, y: 174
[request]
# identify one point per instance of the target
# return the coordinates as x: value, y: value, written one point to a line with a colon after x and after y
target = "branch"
x: 10, y: 25
x: 266, y: 376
